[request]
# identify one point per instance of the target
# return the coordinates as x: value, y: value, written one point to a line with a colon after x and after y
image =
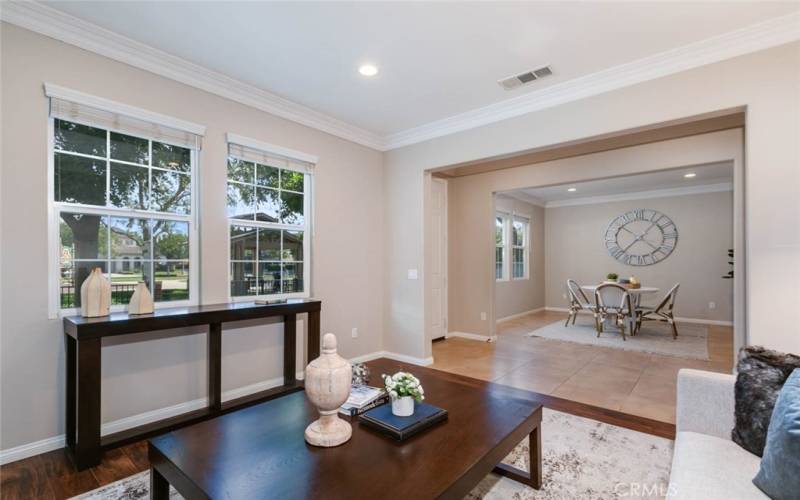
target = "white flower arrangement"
x: 404, y: 384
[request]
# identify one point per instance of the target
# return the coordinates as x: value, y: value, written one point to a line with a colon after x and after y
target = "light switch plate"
x: 412, y: 274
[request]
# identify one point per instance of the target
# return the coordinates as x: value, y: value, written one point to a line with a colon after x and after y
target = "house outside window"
x: 268, y: 203
x: 123, y: 203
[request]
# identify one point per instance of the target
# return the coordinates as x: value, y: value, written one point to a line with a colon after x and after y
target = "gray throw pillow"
x: 761, y: 375
x: 779, y: 475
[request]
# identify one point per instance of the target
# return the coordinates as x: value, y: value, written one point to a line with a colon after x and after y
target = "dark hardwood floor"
x: 52, y: 476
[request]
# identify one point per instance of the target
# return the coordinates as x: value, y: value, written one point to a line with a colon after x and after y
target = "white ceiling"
x: 707, y: 175
x: 436, y: 60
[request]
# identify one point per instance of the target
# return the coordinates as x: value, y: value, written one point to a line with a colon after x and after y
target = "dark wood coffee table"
x: 259, y: 452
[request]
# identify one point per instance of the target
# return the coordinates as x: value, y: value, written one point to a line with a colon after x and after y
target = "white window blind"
x: 76, y: 107
x: 254, y: 151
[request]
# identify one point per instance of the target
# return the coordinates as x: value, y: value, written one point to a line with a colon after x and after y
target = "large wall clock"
x: 641, y: 237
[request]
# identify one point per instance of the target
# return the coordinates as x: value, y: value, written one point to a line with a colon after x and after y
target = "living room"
x: 210, y: 168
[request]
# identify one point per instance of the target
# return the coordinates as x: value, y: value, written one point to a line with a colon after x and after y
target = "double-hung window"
x: 500, y: 237
x: 269, y: 210
x: 512, y: 242
x: 519, y: 247
x: 123, y: 200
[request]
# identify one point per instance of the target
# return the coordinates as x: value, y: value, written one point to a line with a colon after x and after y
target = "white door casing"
x: 438, y: 264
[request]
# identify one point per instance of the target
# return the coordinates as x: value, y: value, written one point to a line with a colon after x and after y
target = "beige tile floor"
x: 632, y: 382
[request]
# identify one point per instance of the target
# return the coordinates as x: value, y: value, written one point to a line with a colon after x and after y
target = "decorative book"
x: 402, y: 428
x: 363, y: 398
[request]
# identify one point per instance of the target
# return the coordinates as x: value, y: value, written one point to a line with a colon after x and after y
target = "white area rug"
x: 582, y: 459
x: 692, y: 341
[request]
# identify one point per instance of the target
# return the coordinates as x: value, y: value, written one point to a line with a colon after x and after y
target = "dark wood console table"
x: 83, y: 338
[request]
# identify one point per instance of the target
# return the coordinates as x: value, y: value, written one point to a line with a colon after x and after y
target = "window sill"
x: 282, y: 296
x: 120, y: 308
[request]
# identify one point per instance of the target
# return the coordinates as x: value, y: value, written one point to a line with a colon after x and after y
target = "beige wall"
x: 512, y: 296
x: 766, y: 82
x: 473, y: 276
x: 575, y: 249
x: 517, y: 296
x: 348, y: 243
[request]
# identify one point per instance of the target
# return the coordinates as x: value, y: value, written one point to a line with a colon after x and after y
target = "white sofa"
x: 706, y: 464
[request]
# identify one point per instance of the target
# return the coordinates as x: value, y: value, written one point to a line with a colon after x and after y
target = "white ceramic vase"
x: 95, y: 295
x: 141, y: 300
x: 327, y: 385
x: 403, y: 407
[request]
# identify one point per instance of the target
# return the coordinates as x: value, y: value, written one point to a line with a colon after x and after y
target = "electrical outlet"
x: 712, y: 305
x: 412, y: 274
x: 483, y: 316
x: 354, y: 332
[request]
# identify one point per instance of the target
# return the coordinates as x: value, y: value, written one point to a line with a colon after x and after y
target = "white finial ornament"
x: 327, y: 385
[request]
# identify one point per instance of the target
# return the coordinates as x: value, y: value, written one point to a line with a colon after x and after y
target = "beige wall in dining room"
x: 766, y: 82
x: 347, y: 244
x: 472, y: 273
x: 517, y: 296
x: 574, y: 242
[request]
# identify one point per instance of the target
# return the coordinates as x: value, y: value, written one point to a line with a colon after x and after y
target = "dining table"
x: 636, y: 297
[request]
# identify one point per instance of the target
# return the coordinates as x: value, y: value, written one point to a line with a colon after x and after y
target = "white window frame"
x: 506, y: 268
x: 526, y: 241
x: 54, y: 209
x: 307, y: 228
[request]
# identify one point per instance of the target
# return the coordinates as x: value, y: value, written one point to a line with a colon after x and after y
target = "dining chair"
x: 613, y: 301
x: 663, y: 312
x: 578, y: 301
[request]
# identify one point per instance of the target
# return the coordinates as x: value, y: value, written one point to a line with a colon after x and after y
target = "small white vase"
x: 141, y: 300
x: 403, y: 407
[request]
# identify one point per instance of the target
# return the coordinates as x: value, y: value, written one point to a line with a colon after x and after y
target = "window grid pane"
x: 273, y: 197
x: 266, y: 261
x: 94, y: 166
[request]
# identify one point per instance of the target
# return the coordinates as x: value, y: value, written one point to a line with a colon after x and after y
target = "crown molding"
x: 643, y: 195
x: 770, y: 33
x: 524, y: 198
x: 56, y: 24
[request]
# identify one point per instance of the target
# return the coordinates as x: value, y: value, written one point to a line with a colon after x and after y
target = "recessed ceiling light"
x: 368, y: 70
x: 690, y: 175
x: 572, y: 190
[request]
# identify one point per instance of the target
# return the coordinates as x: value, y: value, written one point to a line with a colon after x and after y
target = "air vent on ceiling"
x: 515, y: 81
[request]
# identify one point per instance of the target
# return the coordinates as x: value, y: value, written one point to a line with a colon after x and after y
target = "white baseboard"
x: 393, y: 355
x: 698, y: 321
x: 471, y: 336
x: 30, y: 449
x: 704, y: 321
x: 54, y: 443
x: 519, y: 315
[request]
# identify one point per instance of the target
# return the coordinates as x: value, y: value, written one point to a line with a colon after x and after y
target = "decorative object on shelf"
x: 404, y: 389
x: 634, y: 282
x: 729, y: 276
x: 95, y: 295
x: 611, y: 278
x: 360, y: 374
x: 141, y: 300
x: 327, y: 385
x: 641, y: 237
